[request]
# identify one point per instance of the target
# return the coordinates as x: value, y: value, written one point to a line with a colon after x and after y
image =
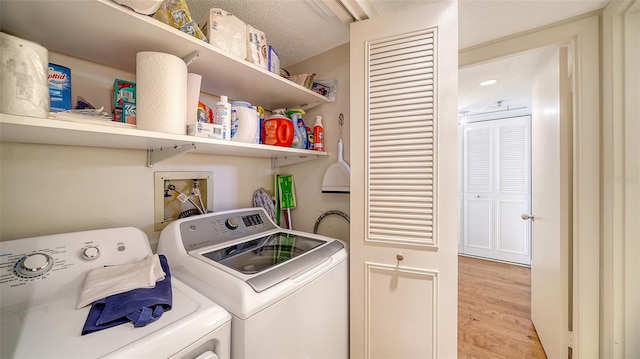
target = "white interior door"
x: 551, y: 199
x: 403, y: 248
x: 497, y: 189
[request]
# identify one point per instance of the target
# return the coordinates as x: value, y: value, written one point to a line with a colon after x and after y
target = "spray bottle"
x: 318, y: 135
x: 300, y: 130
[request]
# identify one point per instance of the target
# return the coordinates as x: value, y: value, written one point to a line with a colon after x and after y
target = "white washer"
x: 287, y: 291
x: 38, y: 315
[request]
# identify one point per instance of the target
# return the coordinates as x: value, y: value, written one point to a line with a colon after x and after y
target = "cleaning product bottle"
x: 300, y: 132
x: 259, y: 121
x: 223, y: 117
x: 309, y: 138
x: 244, y: 122
x: 261, y: 115
x: 318, y: 135
x: 303, y: 133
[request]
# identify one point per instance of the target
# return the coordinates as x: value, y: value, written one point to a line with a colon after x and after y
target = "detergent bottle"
x: 278, y: 130
x: 300, y: 130
x: 244, y: 122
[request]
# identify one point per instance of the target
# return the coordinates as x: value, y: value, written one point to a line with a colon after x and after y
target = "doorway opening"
x: 494, y: 156
x: 495, y: 201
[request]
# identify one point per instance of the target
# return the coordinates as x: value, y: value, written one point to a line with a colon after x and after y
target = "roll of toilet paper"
x: 24, y: 76
x: 161, y: 90
x: 193, y: 97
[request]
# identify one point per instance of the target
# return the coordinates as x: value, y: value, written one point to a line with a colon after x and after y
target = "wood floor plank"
x: 494, y: 311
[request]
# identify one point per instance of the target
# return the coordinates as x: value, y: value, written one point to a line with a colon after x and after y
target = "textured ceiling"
x: 300, y: 29
x: 294, y: 28
x: 515, y: 76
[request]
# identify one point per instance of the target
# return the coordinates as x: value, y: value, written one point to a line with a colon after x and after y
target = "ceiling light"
x: 488, y: 82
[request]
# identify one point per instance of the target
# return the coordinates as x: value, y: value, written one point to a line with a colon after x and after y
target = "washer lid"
x: 274, y: 258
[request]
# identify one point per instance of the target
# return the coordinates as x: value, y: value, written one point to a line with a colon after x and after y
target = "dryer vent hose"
x: 328, y: 213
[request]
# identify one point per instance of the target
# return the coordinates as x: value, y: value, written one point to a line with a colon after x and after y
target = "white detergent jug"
x: 244, y: 122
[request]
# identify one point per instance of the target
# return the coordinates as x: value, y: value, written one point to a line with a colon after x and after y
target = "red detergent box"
x: 59, y: 88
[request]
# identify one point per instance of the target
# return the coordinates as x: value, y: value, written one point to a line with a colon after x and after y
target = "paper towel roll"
x: 193, y: 97
x: 161, y: 90
x: 24, y: 75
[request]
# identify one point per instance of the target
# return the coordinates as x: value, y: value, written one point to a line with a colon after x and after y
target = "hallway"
x: 494, y: 311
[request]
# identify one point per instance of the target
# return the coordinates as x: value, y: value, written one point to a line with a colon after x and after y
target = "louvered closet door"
x: 403, y: 250
x: 497, y: 187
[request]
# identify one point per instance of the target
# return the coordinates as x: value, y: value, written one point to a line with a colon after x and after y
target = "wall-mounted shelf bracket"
x: 161, y: 154
x: 281, y: 161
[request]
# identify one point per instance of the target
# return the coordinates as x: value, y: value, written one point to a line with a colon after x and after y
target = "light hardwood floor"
x: 494, y: 311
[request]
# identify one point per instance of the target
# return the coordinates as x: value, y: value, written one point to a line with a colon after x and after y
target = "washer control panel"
x: 39, y: 266
x: 215, y: 228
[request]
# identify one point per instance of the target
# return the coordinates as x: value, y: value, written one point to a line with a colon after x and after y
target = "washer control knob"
x: 33, y: 265
x: 90, y: 253
x: 231, y: 223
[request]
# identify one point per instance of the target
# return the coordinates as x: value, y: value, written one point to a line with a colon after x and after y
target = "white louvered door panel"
x: 403, y: 247
x: 497, y: 187
x: 478, y: 185
x: 401, y: 139
x: 513, y: 190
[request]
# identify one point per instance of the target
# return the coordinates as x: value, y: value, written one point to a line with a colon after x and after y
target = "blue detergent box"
x: 273, y: 61
x: 59, y: 88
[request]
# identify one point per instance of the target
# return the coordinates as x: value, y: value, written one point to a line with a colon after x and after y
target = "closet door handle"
x: 527, y: 216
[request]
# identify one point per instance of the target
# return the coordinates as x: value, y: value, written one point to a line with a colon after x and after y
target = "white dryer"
x: 40, y: 278
x: 287, y: 291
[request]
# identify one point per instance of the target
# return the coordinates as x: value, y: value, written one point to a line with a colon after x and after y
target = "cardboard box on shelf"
x: 59, y: 79
x: 273, y: 61
x: 257, y: 47
x: 122, y: 91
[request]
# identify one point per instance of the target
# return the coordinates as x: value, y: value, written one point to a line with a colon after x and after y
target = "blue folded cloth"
x: 140, y: 306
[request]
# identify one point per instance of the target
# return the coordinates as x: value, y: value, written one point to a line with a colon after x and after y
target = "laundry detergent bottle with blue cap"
x: 300, y: 130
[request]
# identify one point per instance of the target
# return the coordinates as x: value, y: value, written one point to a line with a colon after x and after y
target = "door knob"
x: 527, y: 216
x: 399, y: 257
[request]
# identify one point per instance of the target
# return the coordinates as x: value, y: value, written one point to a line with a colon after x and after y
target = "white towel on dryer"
x: 105, y: 281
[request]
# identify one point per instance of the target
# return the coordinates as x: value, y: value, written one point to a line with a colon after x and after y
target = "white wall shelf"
x: 22, y: 129
x: 103, y: 32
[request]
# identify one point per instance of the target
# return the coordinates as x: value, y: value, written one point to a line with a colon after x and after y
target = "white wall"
x: 308, y: 176
x: 46, y: 189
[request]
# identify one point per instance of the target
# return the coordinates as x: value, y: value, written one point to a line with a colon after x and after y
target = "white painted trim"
x: 620, y: 229
x: 583, y: 35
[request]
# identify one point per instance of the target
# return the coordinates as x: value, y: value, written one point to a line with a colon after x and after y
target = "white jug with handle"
x: 244, y: 122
